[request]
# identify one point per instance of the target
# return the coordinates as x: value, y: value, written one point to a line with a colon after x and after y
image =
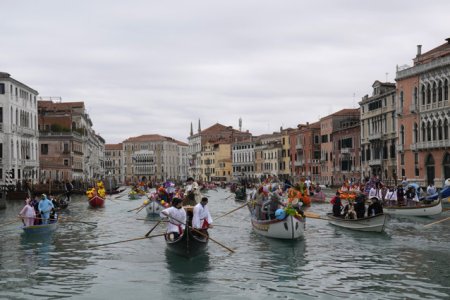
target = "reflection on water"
x: 407, y: 261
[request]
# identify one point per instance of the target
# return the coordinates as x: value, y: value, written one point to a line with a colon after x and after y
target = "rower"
x: 177, y: 219
x: 202, y: 218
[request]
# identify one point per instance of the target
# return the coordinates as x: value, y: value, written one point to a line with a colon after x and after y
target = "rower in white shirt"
x: 177, y: 219
x: 202, y: 218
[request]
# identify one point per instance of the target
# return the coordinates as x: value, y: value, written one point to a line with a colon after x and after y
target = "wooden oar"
x: 150, y: 231
x: 443, y: 220
x: 7, y: 223
x: 312, y: 215
x: 136, y: 208
x: 163, y: 221
x: 207, y: 236
x: 130, y: 240
x: 232, y: 211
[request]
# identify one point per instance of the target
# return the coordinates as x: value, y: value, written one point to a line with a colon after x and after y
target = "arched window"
x: 445, y: 129
x: 433, y: 130
x: 402, y: 135
x: 415, y: 133
x: 446, y: 89
x: 434, y: 92
x: 440, y: 91
x: 428, y: 93
x: 12, y: 119
x: 423, y: 95
x: 439, y: 137
x: 428, y: 131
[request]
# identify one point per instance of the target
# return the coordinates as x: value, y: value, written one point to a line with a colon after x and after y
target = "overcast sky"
x: 153, y: 67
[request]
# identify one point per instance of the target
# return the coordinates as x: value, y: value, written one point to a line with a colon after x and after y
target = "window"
x: 2, y: 88
x: 44, y: 149
x: 66, y: 162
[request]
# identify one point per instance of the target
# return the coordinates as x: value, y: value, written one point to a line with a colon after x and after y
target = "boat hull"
x: 415, y: 211
x: 289, y: 228
x: 189, y: 245
x: 369, y: 224
x: 40, y: 229
x: 154, y: 208
x: 318, y: 197
x: 97, y: 202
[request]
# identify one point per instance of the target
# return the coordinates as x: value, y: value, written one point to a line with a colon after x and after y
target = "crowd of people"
x: 41, y: 210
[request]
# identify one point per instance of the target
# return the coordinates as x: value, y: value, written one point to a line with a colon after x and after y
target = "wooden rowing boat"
x: 421, y: 210
x: 154, y: 207
x: 42, y: 228
x: 96, y: 202
x: 291, y: 227
x: 189, y: 244
x: 368, y: 224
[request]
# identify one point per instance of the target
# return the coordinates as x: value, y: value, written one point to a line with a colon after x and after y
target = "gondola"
x: 96, y: 202
x: 190, y: 244
x: 372, y: 223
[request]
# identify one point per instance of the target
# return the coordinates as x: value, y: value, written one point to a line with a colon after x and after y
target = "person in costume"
x: 45, y: 207
x: 202, y: 218
x: 27, y: 213
x: 177, y: 218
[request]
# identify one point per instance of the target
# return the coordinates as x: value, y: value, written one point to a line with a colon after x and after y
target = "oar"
x: 163, y: 221
x: 4, y: 224
x: 130, y: 240
x: 207, y: 236
x: 437, y: 222
x: 150, y: 231
x: 136, y: 208
x: 232, y: 211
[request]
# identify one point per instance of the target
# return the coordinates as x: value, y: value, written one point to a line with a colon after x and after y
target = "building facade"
x: 19, y: 159
x: 114, y: 167
x: 423, y: 117
x: 379, y: 133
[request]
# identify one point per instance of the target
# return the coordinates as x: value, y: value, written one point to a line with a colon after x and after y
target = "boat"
x: 96, y: 201
x: 422, y: 210
x: 283, y: 226
x: 240, y: 195
x: 190, y: 244
x: 154, y: 207
x: 42, y: 228
x: 368, y: 224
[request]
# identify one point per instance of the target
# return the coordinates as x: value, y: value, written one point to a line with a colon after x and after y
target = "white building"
x: 18, y: 130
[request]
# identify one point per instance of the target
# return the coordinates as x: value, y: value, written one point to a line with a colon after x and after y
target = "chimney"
x: 419, y: 50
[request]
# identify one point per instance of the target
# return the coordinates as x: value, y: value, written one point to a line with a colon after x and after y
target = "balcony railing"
x: 375, y: 136
x: 433, y: 144
x: 345, y: 150
x: 299, y: 163
x: 400, y: 147
x: 298, y: 146
x: 375, y: 162
x: 434, y: 105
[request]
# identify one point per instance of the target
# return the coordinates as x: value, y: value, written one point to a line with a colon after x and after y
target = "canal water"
x: 408, y: 261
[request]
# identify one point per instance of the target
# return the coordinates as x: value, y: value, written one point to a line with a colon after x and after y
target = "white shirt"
x: 201, y: 213
x: 174, y: 213
x: 391, y: 196
x: 374, y: 193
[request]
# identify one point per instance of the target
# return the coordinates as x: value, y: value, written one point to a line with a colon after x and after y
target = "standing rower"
x: 202, y: 218
x: 177, y: 219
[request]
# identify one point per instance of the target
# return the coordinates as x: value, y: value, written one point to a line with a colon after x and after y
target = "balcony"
x: 434, y: 106
x: 299, y: 146
x: 413, y: 108
x: 345, y: 150
x: 375, y: 136
x: 433, y: 145
x: 400, y: 148
x: 299, y: 163
x: 375, y: 162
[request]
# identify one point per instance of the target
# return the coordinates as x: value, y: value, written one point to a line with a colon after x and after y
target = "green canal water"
x: 408, y: 261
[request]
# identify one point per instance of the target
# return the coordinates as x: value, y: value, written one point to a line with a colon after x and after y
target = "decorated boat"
x: 370, y: 224
x: 287, y: 223
x: 96, y: 195
x: 318, y: 197
x: 421, y: 210
x: 240, y: 194
x: 154, y: 207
